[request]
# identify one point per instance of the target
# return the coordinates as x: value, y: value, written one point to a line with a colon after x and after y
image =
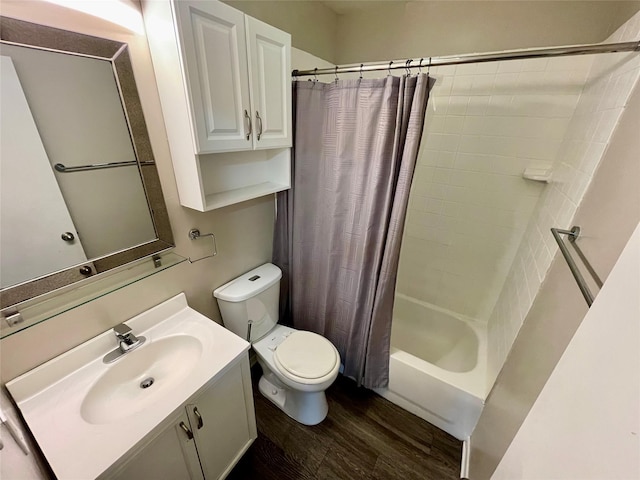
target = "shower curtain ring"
x: 315, y: 73
x: 429, y: 66
x: 420, y: 66
x: 336, y: 73
x: 389, y: 68
x: 408, y: 68
x: 361, y: 65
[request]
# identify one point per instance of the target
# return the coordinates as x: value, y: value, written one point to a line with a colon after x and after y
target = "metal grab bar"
x: 573, y: 234
x: 97, y: 166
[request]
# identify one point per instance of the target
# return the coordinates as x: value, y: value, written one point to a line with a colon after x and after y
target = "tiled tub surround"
x: 469, y: 204
x: 477, y: 240
x: 609, y: 84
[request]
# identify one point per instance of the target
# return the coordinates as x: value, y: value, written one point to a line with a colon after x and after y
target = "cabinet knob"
x: 186, y: 430
x: 199, y: 417
x: 259, y: 122
x: 68, y: 237
x: 248, y: 117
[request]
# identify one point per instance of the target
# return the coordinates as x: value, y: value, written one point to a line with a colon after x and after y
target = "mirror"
x: 80, y: 193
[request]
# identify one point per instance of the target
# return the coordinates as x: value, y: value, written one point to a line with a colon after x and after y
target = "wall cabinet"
x: 224, y: 83
x: 203, y: 439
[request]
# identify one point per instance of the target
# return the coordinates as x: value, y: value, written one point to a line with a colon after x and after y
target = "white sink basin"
x: 86, y: 415
x: 120, y: 391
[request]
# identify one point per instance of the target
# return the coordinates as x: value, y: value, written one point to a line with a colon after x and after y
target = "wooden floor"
x: 363, y: 437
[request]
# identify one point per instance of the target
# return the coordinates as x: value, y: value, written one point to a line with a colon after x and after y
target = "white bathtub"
x: 437, y: 366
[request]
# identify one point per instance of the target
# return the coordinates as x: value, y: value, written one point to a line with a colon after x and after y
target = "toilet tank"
x: 252, y: 297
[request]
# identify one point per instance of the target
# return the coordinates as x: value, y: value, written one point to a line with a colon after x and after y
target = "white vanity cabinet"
x: 203, y: 439
x: 224, y: 83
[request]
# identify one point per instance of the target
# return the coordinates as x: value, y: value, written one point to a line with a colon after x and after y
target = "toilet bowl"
x: 297, y: 366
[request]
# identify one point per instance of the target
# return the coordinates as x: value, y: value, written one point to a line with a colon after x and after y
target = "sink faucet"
x: 126, y: 339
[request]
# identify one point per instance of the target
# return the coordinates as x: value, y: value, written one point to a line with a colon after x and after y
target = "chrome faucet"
x: 127, y: 341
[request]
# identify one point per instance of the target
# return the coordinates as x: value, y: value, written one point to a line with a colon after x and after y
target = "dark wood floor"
x: 363, y: 437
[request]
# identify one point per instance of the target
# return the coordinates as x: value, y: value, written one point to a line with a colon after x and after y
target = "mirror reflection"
x: 65, y: 110
x: 80, y: 194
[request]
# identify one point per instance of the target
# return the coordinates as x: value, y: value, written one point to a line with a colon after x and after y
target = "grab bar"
x: 573, y: 234
x: 97, y: 166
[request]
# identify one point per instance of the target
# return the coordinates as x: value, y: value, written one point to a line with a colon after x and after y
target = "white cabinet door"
x: 171, y: 454
x: 269, y: 51
x: 213, y: 46
x: 223, y: 421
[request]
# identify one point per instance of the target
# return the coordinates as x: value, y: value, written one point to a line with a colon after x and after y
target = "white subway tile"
x: 511, y: 66
x: 592, y: 156
x: 457, y: 105
x: 454, y: 123
x: 500, y: 104
x: 462, y: 85
x: 535, y: 65
x: 442, y: 175
x: 451, y: 209
x: 482, y: 84
x: 606, y: 124
x: 478, y: 104
x: 505, y: 81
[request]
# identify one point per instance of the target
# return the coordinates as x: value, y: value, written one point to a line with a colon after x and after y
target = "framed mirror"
x: 80, y: 193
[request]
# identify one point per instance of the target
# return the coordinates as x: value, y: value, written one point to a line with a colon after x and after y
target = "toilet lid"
x: 306, y: 355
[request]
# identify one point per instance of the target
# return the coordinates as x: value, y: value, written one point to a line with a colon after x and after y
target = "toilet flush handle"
x: 249, y: 331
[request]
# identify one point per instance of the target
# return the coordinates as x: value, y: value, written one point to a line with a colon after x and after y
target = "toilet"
x: 297, y: 366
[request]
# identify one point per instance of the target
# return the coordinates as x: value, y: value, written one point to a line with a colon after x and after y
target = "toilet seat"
x: 306, y: 357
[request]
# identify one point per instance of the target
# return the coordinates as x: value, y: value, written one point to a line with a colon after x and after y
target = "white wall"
x: 609, y: 84
x: 586, y: 422
x: 469, y: 205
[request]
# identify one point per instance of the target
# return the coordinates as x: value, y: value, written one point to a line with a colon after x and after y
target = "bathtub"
x: 437, y: 368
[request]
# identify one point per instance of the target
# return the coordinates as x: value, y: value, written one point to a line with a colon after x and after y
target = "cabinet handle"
x: 199, y: 417
x: 259, y: 119
x: 186, y: 430
x: 248, y: 117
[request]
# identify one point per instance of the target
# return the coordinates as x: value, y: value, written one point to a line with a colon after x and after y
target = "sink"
x: 137, y: 378
x: 87, y: 415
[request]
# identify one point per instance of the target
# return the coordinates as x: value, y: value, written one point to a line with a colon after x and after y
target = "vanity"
x: 180, y: 406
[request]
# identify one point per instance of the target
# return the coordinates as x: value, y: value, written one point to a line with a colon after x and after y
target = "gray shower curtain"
x: 338, y: 230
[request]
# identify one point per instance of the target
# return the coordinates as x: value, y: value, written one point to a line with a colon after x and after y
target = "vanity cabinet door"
x: 269, y: 51
x: 171, y: 455
x: 223, y: 421
x: 213, y: 46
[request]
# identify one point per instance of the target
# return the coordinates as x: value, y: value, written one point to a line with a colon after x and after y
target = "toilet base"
x: 308, y: 408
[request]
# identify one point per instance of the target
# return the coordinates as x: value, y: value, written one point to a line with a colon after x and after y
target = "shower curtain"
x: 338, y: 229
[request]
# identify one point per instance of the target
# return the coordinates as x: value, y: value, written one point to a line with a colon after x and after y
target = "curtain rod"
x: 476, y: 58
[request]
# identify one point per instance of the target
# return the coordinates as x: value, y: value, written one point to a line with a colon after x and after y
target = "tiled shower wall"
x: 607, y: 89
x: 469, y: 206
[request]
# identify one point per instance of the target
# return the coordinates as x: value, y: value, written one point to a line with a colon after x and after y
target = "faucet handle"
x: 121, y: 330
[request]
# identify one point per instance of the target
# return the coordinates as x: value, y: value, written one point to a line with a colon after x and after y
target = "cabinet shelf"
x: 229, y: 197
